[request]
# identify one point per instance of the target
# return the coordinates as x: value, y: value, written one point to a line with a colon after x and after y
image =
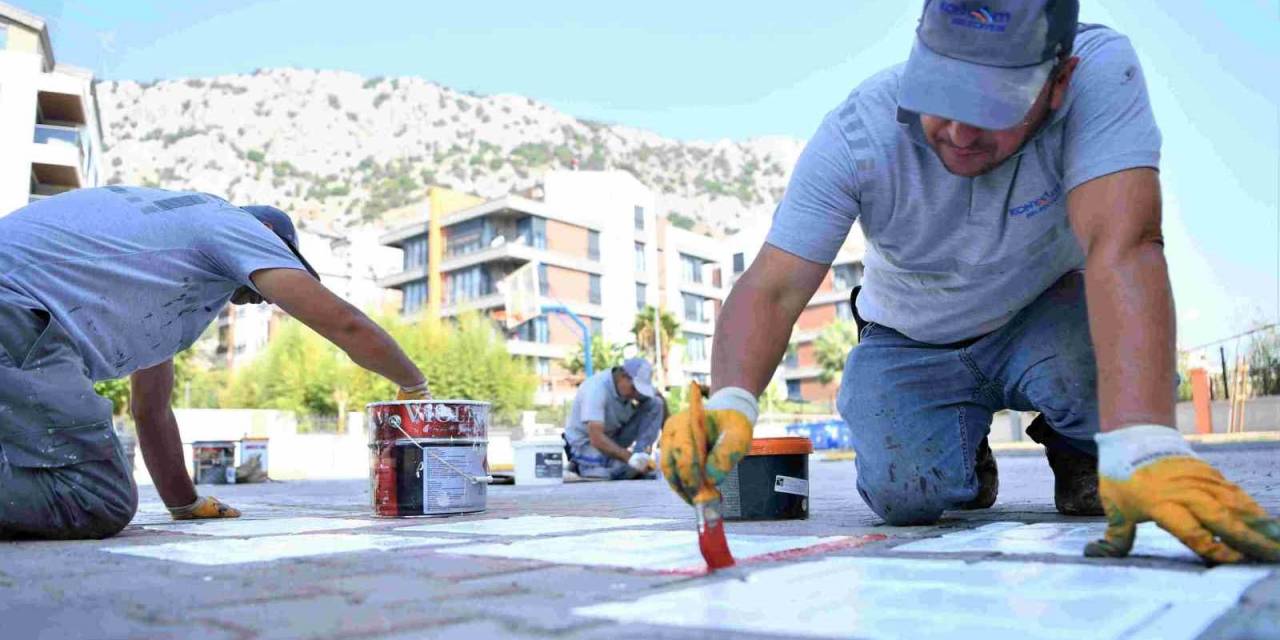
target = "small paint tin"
x: 770, y: 483
x: 213, y: 462
x: 428, y: 457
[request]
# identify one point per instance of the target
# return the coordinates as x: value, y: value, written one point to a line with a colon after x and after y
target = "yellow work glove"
x: 1149, y: 473
x: 700, y: 446
x: 416, y: 392
x: 204, y: 508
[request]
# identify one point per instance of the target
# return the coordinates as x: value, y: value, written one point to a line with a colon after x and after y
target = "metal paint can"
x: 770, y: 483
x: 428, y: 457
x: 213, y: 462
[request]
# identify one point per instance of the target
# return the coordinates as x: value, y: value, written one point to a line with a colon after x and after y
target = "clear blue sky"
x: 704, y: 70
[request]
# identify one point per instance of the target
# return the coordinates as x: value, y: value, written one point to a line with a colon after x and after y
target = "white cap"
x: 641, y: 373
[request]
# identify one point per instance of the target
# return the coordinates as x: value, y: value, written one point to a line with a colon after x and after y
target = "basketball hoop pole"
x: 587, y: 366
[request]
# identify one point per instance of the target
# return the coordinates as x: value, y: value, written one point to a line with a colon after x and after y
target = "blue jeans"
x: 641, y: 431
x: 918, y: 412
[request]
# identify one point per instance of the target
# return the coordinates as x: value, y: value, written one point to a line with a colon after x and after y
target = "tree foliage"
x: 604, y: 355
x: 117, y: 391
x: 831, y: 348
x: 643, y: 330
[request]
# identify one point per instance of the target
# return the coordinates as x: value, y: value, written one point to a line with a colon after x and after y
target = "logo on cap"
x: 981, y: 18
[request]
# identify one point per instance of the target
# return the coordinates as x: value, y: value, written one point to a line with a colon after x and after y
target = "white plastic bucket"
x: 539, y: 461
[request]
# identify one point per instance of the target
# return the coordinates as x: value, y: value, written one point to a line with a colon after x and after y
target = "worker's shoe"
x: 988, y: 478
x: 1075, y: 482
x: 1075, y: 473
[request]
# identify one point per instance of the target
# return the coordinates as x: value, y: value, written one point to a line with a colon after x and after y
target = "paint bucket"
x: 428, y: 457
x: 539, y: 461
x: 213, y: 462
x: 771, y: 482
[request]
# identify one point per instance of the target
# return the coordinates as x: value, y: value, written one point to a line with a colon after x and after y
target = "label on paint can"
x: 548, y: 465
x: 794, y: 486
x: 444, y: 489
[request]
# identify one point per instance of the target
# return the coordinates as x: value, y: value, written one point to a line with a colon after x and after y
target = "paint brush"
x: 706, y: 504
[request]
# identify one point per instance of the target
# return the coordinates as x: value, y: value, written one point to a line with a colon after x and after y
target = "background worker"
x: 97, y: 284
x: 1005, y: 179
x: 613, y: 423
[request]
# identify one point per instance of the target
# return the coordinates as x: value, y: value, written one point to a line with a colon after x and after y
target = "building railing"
x: 51, y: 133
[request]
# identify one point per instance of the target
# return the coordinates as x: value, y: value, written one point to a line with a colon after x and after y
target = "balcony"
x: 58, y: 155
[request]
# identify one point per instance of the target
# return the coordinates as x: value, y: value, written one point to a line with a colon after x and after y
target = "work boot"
x: 1075, y: 473
x: 988, y: 478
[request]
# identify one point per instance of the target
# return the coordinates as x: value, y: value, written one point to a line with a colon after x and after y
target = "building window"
x: 641, y: 290
x: 739, y: 263
x: 793, y: 391
x: 4, y: 37
x: 469, y: 237
x: 847, y: 276
x: 691, y: 268
x: 535, y: 330
x: 695, y: 347
x: 468, y: 284
x: 640, y: 261
x: 700, y: 378
x: 639, y: 218
x: 594, y: 293
x: 597, y: 326
x: 543, y: 366
x: 544, y: 286
x: 695, y: 308
x: 593, y: 244
x: 844, y: 311
x: 792, y: 358
x: 415, y: 296
x: 532, y: 231
x: 415, y: 253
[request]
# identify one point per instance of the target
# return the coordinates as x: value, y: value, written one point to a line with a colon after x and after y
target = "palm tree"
x: 643, y: 329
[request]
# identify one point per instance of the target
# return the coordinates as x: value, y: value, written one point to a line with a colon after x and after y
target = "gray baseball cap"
x: 984, y: 63
x: 641, y: 373
x: 282, y: 225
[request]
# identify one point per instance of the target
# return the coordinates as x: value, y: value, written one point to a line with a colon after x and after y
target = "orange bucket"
x: 771, y: 482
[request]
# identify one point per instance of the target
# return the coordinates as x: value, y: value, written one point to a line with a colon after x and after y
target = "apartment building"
x: 602, y: 253
x: 691, y: 273
x: 830, y: 303
x: 49, y: 126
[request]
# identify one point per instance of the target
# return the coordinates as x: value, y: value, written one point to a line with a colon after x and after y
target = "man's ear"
x: 1060, y: 83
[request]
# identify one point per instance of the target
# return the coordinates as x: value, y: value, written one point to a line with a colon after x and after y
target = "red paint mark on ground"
x: 852, y: 542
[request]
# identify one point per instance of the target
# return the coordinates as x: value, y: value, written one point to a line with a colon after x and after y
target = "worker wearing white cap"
x: 615, y: 419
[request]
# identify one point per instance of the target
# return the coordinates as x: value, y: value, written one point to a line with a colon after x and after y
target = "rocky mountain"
x: 338, y: 148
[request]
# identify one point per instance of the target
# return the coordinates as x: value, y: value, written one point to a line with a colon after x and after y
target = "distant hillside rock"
x: 341, y: 149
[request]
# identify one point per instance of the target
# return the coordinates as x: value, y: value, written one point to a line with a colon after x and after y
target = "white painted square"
x: 245, y: 528
x: 887, y: 598
x: 631, y: 549
x: 1052, y: 538
x: 533, y: 525
x: 241, y: 550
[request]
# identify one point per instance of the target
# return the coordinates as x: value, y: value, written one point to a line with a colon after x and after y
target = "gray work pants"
x: 63, y: 473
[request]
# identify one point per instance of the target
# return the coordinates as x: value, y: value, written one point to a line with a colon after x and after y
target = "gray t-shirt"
x: 950, y: 258
x: 597, y: 400
x: 133, y: 275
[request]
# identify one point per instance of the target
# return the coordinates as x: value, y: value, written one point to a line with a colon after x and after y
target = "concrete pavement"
x: 77, y: 590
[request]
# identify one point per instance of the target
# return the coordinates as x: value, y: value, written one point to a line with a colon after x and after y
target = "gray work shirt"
x: 597, y: 400
x: 950, y: 258
x: 133, y: 275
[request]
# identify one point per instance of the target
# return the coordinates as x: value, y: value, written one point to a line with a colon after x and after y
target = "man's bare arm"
x: 605, y: 444
x: 149, y: 403
x: 304, y: 298
x: 1131, y: 316
x: 755, y: 324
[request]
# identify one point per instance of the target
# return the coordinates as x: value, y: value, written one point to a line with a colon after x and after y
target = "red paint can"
x: 428, y: 457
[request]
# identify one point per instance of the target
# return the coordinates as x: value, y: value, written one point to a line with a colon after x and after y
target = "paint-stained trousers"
x: 917, y: 412
x: 63, y: 474
x: 639, y: 433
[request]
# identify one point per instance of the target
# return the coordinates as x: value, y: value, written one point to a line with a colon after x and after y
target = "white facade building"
x: 49, y: 129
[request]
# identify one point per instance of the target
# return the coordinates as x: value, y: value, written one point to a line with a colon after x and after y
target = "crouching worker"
x: 97, y: 284
x: 615, y: 419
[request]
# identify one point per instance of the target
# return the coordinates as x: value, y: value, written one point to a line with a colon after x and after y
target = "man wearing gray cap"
x: 1005, y: 178
x: 613, y: 423
x: 97, y: 284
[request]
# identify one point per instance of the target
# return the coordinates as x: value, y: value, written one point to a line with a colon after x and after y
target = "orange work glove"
x: 203, y: 509
x: 1149, y: 473
x: 696, y: 450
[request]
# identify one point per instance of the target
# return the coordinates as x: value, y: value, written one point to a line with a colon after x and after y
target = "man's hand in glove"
x: 730, y: 417
x: 204, y: 508
x: 1149, y: 473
